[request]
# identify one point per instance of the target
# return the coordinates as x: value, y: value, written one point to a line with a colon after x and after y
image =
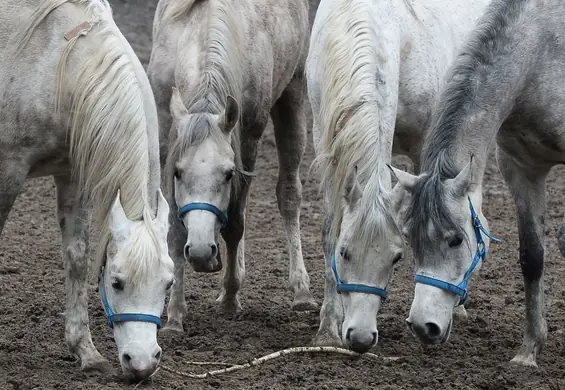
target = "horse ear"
x: 397, y: 196
x: 231, y: 114
x: 352, y: 190
x: 162, y: 212
x: 405, y: 179
x: 119, y: 222
x: 178, y: 110
x: 463, y: 182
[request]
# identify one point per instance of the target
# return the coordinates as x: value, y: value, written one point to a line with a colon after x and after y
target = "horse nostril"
x: 348, y: 334
x: 433, y: 330
x: 374, y: 338
x: 158, y: 355
x: 214, y: 248
x: 186, y: 251
x: 127, y: 358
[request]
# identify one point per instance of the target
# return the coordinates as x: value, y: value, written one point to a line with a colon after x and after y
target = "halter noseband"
x: 222, y: 215
x: 461, y: 288
x: 353, y: 287
x: 123, y: 317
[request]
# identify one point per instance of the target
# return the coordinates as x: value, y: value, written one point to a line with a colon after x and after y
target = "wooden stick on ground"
x: 272, y: 356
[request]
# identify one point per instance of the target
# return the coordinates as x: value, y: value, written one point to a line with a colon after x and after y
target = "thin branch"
x: 274, y: 355
x: 210, y: 364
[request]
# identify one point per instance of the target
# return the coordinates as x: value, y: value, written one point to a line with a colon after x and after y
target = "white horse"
x: 76, y: 103
x: 373, y: 71
x: 219, y: 69
x: 508, y: 83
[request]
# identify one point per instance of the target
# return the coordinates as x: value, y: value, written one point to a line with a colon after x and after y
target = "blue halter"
x: 113, y: 317
x: 461, y: 288
x: 352, y: 287
x: 222, y: 216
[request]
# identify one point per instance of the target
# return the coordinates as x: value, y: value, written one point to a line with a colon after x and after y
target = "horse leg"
x: 177, y: 308
x: 527, y: 187
x: 12, y: 179
x: 289, y: 120
x: 73, y: 221
x: 331, y: 314
x: 234, y: 273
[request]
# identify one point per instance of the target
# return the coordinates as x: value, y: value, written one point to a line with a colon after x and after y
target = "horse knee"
x: 76, y: 253
x: 289, y: 193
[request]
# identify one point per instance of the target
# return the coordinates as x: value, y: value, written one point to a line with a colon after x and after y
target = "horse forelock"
x: 428, y: 207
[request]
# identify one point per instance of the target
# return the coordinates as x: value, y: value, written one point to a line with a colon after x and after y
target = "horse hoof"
x: 229, y: 307
x: 460, y: 314
x: 325, y: 339
x: 528, y: 360
x: 172, y: 327
x: 99, y: 366
x: 304, y: 303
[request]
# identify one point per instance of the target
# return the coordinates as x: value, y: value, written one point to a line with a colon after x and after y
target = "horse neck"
x: 113, y: 127
x: 476, y: 100
x: 217, y: 70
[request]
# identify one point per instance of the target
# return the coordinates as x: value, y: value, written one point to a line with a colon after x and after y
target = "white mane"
x: 108, y: 133
x: 350, y: 104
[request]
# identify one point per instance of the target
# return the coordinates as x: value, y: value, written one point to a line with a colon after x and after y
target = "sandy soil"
x: 33, y: 354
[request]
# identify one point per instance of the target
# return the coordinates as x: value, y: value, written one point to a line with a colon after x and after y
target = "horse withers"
x: 76, y: 104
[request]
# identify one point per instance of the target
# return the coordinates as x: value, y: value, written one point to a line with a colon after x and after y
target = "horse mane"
x: 178, y: 8
x: 464, y: 81
x: 220, y: 75
x: 108, y: 133
x: 350, y: 105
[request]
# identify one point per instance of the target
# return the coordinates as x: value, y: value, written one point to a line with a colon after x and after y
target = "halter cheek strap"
x: 353, y: 287
x: 480, y: 255
x: 123, y: 317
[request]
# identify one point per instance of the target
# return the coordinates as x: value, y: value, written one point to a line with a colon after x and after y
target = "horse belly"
x: 50, y: 166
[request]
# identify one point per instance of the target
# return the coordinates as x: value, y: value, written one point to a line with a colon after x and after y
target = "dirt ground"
x: 33, y: 354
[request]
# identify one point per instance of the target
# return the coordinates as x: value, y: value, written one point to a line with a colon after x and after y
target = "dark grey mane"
x: 456, y: 102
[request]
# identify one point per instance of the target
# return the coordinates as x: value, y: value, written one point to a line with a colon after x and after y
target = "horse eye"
x: 344, y: 253
x: 170, y: 284
x: 229, y: 174
x: 455, y: 241
x: 397, y: 258
x: 117, y: 284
